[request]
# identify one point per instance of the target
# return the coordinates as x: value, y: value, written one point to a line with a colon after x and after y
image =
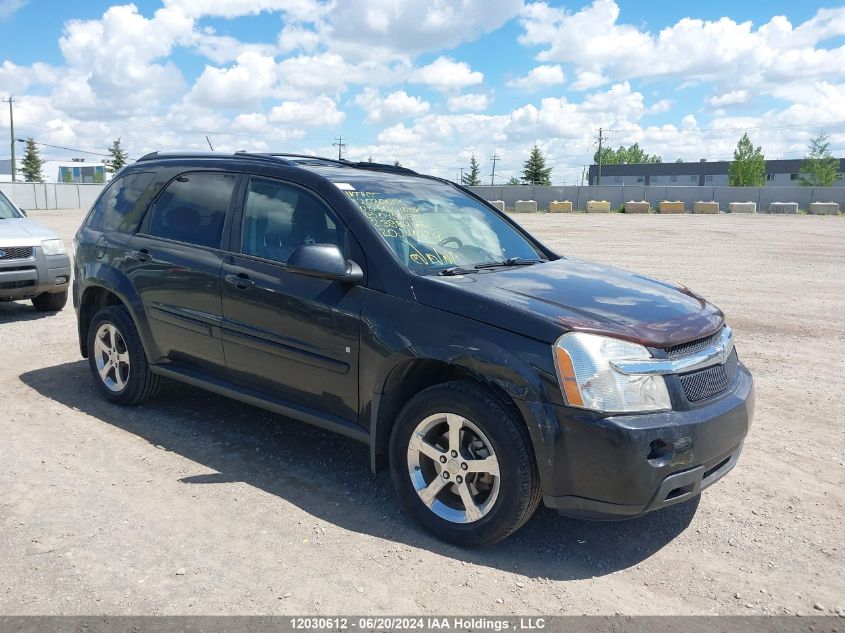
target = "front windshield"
x: 7, y: 210
x: 433, y: 226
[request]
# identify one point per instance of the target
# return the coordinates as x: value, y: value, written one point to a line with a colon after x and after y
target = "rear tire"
x: 117, y: 360
x: 472, y: 486
x: 50, y: 301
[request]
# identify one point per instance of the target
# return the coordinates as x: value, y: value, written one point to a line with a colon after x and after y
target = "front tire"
x: 117, y: 359
x: 50, y: 301
x: 462, y: 465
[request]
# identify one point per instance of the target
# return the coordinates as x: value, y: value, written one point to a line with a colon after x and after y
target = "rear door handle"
x: 241, y: 281
x: 141, y: 256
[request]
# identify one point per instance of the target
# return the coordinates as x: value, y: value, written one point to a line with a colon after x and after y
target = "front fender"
x: 398, y: 333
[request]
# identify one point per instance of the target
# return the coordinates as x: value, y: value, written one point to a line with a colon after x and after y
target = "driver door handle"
x: 241, y: 281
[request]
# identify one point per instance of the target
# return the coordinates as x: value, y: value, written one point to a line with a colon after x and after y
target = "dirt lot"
x: 194, y: 504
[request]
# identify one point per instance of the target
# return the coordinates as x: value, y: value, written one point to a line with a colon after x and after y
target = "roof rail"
x: 248, y: 155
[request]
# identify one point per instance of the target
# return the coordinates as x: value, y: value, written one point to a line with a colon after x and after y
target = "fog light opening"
x: 659, y: 453
x: 61, y: 280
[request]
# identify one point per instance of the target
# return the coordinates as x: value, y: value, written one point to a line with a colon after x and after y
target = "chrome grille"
x: 15, y: 252
x: 692, y: 347
x: 709, y: 382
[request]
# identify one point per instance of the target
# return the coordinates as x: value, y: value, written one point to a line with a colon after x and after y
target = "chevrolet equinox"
x: 486, y: 371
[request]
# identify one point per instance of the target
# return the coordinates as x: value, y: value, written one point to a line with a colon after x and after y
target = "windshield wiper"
x: 456, y: 270
x: 512, y: 261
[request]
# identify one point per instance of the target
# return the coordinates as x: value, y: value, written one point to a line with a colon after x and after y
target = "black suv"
x: 485, y: 370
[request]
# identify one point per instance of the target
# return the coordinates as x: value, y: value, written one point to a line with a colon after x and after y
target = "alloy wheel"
x: 453, y: 468
x: 112, y: 357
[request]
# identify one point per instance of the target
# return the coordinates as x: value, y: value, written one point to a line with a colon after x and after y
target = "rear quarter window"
x: 121, y: 206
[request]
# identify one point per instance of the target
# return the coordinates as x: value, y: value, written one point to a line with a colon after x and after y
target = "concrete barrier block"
x: 783, y: 207
x: 642, y: 206
x: 824, y: 208
x: 742, y: 207
x: 671, y: 206
x: 525, y: 206
x: 598, y: 206
x: 705, y: 207
x: 499, y: 204
x: 560, y: 207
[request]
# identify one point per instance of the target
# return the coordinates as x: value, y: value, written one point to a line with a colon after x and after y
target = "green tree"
x: 513, y: 180
x: 473, y: 177
x: 628, y: 155
x: 748, y: 168
x: 396, y: 163
x: 820, y: 168
x: 31, y: 166
x: 535, y: 172
x: 118, y: 157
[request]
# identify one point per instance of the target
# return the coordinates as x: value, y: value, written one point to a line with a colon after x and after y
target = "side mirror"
x: 324, y: 261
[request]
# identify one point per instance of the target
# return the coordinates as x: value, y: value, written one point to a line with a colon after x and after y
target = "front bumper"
x: 26, y: 278
x: 606, y: 467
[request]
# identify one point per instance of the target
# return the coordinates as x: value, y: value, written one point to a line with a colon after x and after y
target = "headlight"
x: 590, y: 382
x: 53, y: 247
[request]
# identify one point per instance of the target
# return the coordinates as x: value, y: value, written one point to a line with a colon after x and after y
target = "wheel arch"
x: 409, y: 375
x: 111, y: 289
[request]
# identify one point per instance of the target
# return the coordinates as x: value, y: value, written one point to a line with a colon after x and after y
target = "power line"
x: 340, y: 145
x: 69, y: 149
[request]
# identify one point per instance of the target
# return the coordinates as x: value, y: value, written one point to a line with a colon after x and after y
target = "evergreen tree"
x: 820, y: 168
x: 118, y: 157
x: 535, y: 171
x: 396, y: 163
x: 31, y: 166
x: 473, y: 177
x: 748, y: 168
x: 513, y: 180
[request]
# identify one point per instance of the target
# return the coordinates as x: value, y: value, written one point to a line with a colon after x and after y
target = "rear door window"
x: 121, y: 206
x: 193, y: 208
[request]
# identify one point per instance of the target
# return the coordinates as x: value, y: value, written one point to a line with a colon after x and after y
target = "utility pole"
x: 598, y: 178
x: 495, y: 159
x: 340, y: 145
x: 583, y: 172
x: 11, y: 101
x: 461, y: 181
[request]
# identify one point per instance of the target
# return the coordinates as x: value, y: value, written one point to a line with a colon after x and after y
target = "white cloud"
x: 399, y: 135
x: 252, y: 78
x: 587, y: 80
x: 467, y: 103
x: 321, y: 111
x: 539, y: 77
x: 379, y: 29
x: 733, y: 97
x: 396, y: 105
x: 445, y: 73
x: 723, y: 50
x: 10, y: 7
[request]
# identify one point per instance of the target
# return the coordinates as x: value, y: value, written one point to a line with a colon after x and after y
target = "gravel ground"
x: 194, y: 504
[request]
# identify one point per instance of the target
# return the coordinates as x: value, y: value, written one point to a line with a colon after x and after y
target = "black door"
x: 287, y: 335
x: 175, y: 262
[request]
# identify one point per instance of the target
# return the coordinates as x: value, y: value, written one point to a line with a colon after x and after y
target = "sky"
x: 428, y: 83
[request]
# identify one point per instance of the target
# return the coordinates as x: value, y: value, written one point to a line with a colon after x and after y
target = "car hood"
x: 23, y: 232
x: 546, y: 300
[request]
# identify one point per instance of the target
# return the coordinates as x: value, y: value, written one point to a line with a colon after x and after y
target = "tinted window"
x: 279, y: 218
x: 121, y: 206
x: 193, y: 209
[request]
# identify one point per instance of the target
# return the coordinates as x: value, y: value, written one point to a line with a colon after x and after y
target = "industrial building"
x: 779, y: 173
